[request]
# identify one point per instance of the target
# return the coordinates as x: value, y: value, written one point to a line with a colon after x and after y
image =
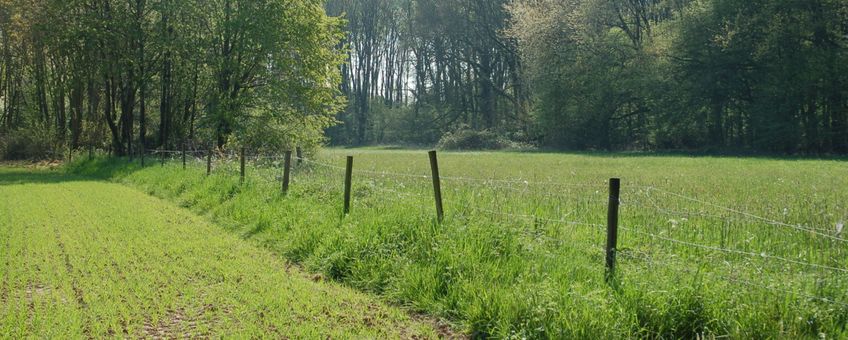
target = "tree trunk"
x: 142, y: 77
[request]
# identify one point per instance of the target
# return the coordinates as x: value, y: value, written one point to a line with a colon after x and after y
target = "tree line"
x: 417, y: 69
x: 130, y: 74
x: 746, y: 75
x: 755, y: 75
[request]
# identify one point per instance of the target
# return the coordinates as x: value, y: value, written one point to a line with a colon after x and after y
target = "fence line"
x: 368, y: 172
x: 484, y: 181
x: 752, y: 216
x: 526, y: 184
x: 537, y: 218
x: 158, y: 151
x: 772, y: 289
x: 733, y: 251
x: 559, y: 197
x: 717, y: 277
x: 655, y: 206
x: 522, y: 182
x: 523, y: 186
x: 400, y: 193
x: 599, y: 250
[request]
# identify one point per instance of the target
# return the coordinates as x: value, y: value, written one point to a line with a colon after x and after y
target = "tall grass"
x: 747, y: 248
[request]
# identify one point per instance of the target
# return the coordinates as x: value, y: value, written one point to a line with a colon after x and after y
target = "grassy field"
x: 745, y: 248
x: 85, y: 259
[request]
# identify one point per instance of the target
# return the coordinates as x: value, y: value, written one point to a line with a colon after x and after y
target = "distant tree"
x: 721, y: 74
x: 435, y: 65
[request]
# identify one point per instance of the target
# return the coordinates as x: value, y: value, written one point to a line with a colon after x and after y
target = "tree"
x: 212, y: 68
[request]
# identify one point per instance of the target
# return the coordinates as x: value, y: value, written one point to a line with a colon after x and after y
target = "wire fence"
x: 540, y: 203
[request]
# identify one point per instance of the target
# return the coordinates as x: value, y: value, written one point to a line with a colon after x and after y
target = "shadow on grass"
x: 739, y: 154
x: 96, y: 169
x: 19, y: 176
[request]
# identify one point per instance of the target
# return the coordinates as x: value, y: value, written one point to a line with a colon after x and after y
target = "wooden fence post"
x: 437, y: 186
x: 162, y: 155
x: 90, y: 151
x: 286, y: 172
x: 242, y: 165
x: 299, y: 153
x: 348, y: 182
x: 184, y: 155
x: 143, y: 151
x: 209, y: 162
x: 612, y: 226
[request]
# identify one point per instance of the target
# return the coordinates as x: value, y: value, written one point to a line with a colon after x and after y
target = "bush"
x: 467, y: 139
x: 28, y: 144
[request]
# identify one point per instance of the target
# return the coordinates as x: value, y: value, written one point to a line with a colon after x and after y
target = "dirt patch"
x: 179, y: 324
x: 36, y: 289
x: 444, y: 329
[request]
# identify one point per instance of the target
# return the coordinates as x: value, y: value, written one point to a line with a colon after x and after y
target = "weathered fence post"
x: 209, y: 162
x: 90, y: 151
x: 242, y: 164
x: 130, y: 151
x: 286, y: 172
x: 184, y: 155
x: 299, y: 153
x: 162, y: 155
x: 348, y: 182
x: 437, y: 186
x: 70, y: 153
x: 143, y: 152
x: 612, y: 226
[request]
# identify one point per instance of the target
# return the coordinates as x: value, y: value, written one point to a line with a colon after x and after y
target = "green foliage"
x: 444, y: 64
x: 34, y: 143
x: 161, y: 73
x: 469, y: 139
x: 278, y: 80
x: 760, y: 75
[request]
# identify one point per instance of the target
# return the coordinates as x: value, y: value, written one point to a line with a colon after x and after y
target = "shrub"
x: 468, y: 139
x: 30, y: 143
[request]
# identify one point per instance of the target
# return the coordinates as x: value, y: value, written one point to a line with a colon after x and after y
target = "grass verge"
x: 746, y: 248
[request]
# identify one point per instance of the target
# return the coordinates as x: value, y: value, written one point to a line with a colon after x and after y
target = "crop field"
x: 708, y: 246
x: 86, y: 259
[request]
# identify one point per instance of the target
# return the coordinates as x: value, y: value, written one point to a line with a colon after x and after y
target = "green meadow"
x: 708, y: 246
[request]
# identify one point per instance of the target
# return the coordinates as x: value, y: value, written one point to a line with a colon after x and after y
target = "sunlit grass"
x: 716, y: 246
x: 86, y: 259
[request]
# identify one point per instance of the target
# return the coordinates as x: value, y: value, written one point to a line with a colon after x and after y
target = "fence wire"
x: 411, y: 186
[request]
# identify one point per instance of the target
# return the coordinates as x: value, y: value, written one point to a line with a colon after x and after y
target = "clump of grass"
x: 520, y: 252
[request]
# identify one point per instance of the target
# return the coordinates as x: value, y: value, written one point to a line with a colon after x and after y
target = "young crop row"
x: 86, y: 259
